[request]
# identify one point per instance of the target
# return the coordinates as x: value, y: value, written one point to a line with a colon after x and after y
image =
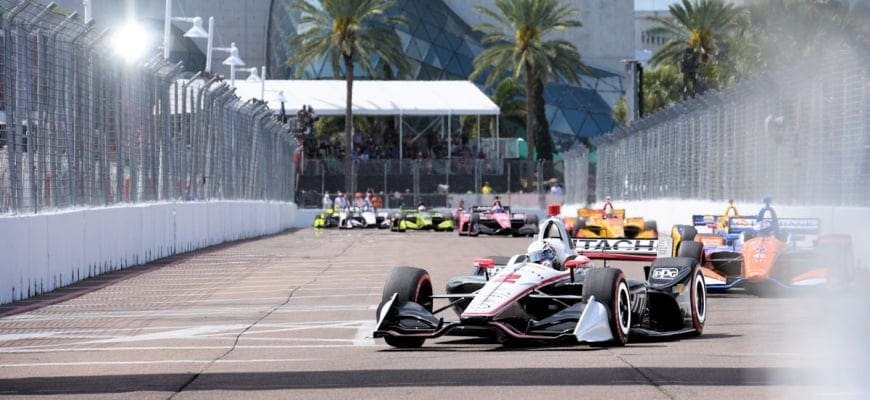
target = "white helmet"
x: 540, y: 252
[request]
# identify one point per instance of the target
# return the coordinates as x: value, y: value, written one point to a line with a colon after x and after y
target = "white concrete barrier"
x: 39, y: 253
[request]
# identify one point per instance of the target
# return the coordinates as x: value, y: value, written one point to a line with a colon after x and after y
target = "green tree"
x: 788, y: 31
x: 509, y: 97
x: 661, y: 86
x: 620, y: 111
x: 518, y: 42
x: 347, y: 32
x: 699, y: 31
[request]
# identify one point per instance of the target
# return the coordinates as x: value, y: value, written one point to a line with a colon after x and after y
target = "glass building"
x: 441, y: 46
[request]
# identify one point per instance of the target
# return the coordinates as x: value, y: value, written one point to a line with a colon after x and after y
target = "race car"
x: 420, y: 220
x: 765, y: 252
x: 608, y: 222
x: 328, y: 218
x: 365, y: 217
x: 549, y: 293
x: 500, y: 221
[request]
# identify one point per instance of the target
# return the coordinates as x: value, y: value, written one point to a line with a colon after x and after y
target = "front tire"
x: 409, y: 284
x: 699, y: 301
x: 610, y: 288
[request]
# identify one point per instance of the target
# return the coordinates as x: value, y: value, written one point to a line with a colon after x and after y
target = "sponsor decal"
x: 760, y: 253
x: 665, y: 273
x: 649, y: 246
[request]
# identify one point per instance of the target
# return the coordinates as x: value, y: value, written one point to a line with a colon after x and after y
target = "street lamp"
x: 233, y: 61
x: 261, y: 78
x: 194, y: 32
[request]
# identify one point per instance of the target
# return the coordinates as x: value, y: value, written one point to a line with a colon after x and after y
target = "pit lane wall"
x: 669, y: 212
x: 42, y: 252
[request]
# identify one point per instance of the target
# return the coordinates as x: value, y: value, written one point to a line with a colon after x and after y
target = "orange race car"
x: 765, y: 251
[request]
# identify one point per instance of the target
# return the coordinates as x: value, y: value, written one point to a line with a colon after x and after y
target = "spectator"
x: 327, y: 201
x: 486, y: 189
x: 378, y: 201
x: 358, y: 200
x: 557, y: 189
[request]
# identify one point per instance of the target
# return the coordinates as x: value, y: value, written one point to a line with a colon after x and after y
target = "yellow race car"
x: 609, y: 223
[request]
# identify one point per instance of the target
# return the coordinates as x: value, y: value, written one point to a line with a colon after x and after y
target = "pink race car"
x: 500, y: 221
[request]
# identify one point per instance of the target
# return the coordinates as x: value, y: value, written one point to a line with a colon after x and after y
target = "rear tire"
x: 578, y: 226
x: 610, y: 288
x: 473, y: 226
x: 699, y: 301
x: 409, y: 284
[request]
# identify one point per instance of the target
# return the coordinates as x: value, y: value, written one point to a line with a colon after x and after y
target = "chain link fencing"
x: 800, y: 135
x: 81, y: 128
x: 436, y: 182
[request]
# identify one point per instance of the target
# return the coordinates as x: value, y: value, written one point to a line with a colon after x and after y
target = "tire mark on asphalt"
x: 348, y: 246
x: 648, y: 378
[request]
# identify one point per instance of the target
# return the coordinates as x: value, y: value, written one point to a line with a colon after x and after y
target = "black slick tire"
x: 409, y: 284
x: 698, y: 297
x: 610, y: 288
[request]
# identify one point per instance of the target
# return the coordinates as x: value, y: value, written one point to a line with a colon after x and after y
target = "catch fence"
x: 81, y: 128
x: 800, y: 135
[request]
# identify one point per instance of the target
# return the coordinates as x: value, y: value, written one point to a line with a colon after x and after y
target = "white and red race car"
x: 548, y: 293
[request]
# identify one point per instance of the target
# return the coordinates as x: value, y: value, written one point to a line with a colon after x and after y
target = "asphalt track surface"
x: 290, y: 316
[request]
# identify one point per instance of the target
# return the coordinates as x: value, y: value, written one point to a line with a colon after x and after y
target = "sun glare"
x: 131, y: 41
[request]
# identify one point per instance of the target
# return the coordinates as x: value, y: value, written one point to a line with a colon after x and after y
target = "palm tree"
x: 661, y: 86
x: 347, y: 32
x: 792, y: 30
x: 518, y: 42
x: 698, y: 29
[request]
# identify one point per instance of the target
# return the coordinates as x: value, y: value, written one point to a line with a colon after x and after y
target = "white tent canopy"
x: 327, y: 97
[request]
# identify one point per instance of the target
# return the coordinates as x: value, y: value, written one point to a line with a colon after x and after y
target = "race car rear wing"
x: 622, y: 249
x: 486, y: 209
x: 619, y: 213
x: 793, y: 226
x: 705, y: 220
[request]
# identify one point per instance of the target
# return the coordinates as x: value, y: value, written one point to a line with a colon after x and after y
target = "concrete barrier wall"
x: 39, y: 253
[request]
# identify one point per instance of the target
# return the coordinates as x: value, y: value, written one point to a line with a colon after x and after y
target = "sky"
x: 653, y: 4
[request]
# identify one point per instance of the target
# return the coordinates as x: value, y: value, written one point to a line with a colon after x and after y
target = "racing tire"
x: 579, y: 226
x: 610, y: 288
x: 651, y: 226
x: 409, y: 284
x: 693, y: 250
x: 836, y: 250
x: 698, y: 298
x: 533, y: 221
x: 474, y: 225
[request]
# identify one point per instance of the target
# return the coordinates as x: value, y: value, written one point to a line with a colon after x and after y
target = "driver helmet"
x: 541, y: 252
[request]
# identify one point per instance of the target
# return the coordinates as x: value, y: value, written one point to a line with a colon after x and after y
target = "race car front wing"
x: 409, y: 319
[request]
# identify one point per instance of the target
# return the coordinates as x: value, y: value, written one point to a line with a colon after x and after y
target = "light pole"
x: 254, y: 77
x: 233, y: 61
x: 194, y: 32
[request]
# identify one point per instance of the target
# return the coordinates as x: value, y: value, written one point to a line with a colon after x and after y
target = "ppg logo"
x: 665, y: 273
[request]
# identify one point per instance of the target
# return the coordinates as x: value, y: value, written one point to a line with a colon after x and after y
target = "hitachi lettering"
x: 617, y: 245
